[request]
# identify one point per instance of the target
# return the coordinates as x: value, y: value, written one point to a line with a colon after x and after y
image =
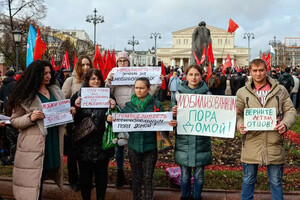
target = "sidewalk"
x: 51, y: 191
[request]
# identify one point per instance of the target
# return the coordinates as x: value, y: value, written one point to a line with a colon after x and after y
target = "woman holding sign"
x: 142, y: 150
x: 192, y: 152
x: 39, y: 150
x: 92, y: 159
x: 72, y: 85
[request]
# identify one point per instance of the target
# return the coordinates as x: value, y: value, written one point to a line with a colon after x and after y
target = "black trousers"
x: 142, y: 163
x: 87, y: 170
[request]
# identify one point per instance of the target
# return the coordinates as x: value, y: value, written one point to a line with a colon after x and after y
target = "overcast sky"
x: 125, y: 18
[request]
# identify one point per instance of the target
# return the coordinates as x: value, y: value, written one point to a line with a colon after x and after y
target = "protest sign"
x: 57, y: 113
x: 148, y: 121
x: 94, y: 97
x: 128, y: 75
x: 258, y: 119
x: 206, y: 115
x: 4, y: 118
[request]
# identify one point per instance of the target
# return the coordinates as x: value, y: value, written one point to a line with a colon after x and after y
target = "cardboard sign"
x: 148, y: 121
x: 94, y: 97
x: 258, y: 119
x: 206, y: 115
x: 128, y: 75
x: 57, y: 113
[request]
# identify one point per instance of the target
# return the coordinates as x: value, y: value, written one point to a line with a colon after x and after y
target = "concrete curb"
x: 51, y: 191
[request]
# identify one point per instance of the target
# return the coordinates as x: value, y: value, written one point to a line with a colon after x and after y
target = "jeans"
x: 275, y: 173
x: 186, y: 175
x: 142, y: 167
x: 120, y: 157
x: 294, y: 98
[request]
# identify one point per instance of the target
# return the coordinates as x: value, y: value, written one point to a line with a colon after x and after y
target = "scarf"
x: 141, y: 105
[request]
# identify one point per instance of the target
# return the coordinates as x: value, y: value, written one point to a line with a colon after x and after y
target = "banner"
x: 128, y: 75
x: 94, y: 97
x: 149, y: 121
x: 260, y: 119
x: 206, y: 115
x: 57, y: 113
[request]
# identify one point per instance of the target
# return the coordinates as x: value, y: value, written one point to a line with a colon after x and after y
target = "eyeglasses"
x: 122, y: 61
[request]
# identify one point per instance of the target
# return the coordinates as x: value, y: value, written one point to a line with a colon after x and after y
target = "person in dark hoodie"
x: 5, y: 90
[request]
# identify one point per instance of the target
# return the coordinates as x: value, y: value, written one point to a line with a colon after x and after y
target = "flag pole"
x: 224, y: 46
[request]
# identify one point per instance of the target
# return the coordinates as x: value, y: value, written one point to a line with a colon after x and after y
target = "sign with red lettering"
x: 260, y: 119
x: 57, y: 113
x: 206, y: 115
x: 149, y: 121
x: 128, y: 75
x: 95, y: 97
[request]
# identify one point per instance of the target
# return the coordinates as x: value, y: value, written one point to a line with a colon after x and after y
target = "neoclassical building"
x: 222, y: 44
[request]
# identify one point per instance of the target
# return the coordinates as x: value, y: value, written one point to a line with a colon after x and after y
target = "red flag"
x: 52, y: 61
x: 232, y: 26
x: 228, y: 62
x: 40, y: 47
x: 113, y: 59
x: 203, y: 55
x: 65, y: 63
x: 268, y: 59
x: 196, y: 58
x: 209, y: 72
x: 235, y: 65
x: 98, y: 62
x: 75, y: 59
x: 104, y: 57
x: 210, y: 54
x: 108, y: 66
x: 263, y: 57
x: 163, y: 72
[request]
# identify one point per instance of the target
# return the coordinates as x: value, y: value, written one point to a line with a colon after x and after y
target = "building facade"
x: 222, y: 44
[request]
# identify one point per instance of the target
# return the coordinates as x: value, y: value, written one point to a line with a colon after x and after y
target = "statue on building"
x: 200, y: 37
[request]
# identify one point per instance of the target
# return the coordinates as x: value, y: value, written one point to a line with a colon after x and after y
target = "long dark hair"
x: 88, y: 76
x: 29, y: 84
x: 78, y: 67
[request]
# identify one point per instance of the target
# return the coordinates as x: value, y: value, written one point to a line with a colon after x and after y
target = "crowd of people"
x: 38, y: 155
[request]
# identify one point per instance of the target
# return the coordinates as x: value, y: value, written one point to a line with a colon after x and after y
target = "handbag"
x: 110, y: 138
x: 83, y: 129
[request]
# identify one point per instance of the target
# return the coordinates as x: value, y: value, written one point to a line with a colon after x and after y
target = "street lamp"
x: 155, y: 36
x: 248, y: 35
x: 133, y: 43
x: 17, y: 38
x: 95, y: 19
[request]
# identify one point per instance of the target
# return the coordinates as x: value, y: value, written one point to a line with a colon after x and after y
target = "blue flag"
x: 30, y: 45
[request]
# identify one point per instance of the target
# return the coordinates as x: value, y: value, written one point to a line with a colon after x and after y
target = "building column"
x: 173, y: 62
x: 189, y: 63
x: 215, y: 62
x: 223, y: 61
x: 181, y: 62
x: 232, y: 62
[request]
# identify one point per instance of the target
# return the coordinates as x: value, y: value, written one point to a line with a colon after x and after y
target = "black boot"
x: 120, y: 178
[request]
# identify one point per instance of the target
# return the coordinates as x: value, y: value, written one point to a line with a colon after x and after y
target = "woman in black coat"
x: 92, y: 159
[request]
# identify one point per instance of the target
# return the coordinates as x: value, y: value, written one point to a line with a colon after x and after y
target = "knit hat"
x: 10, y: 73
x: 123, y: 54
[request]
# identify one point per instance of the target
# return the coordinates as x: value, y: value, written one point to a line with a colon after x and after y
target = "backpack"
x: 286, y: 83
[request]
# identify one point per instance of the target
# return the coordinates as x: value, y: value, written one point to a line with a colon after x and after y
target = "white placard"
x: 57, y: 113
x: 147, y: 121
x: 258, y: 119
x: 94, y: 97
x: 4, y: 118
x: 206, y: 115
x: 128, y: 75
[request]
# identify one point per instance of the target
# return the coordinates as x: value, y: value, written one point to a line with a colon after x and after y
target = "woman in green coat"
x: 192, y: 152
x: 142, y: 150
